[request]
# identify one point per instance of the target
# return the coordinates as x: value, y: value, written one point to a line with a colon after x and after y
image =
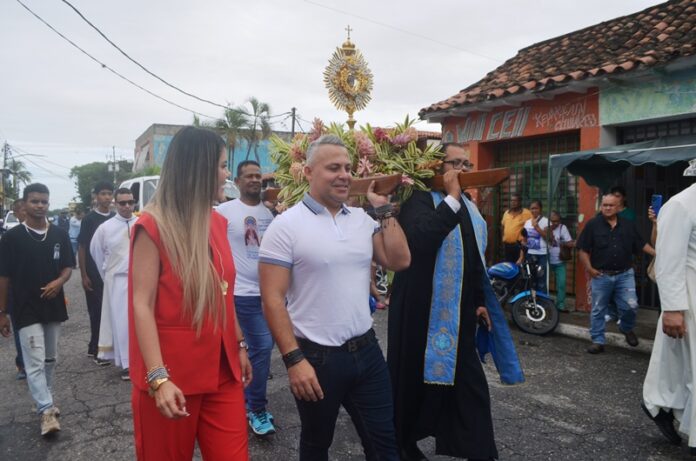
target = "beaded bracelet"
x: 156, y: 373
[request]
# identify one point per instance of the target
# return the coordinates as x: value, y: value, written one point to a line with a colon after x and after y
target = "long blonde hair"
x: 182, y: 205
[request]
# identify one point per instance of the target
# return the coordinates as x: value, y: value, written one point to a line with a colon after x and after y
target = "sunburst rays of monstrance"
x: 348, y: 79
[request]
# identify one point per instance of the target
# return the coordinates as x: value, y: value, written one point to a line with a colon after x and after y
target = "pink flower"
x: 363, y: 144
x: 317, y: 130
x: 296, y: 172
x: 406, y: 179
x: 401, y: 139
x: 410, y: 135
x: 364, y: 167
x: 381, y: 135
x: 296, y: 152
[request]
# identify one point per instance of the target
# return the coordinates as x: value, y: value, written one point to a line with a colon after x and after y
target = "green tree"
x: 16, y: 175
x: 250, y: 122
x: 86, y: 176
x: 258, y: 126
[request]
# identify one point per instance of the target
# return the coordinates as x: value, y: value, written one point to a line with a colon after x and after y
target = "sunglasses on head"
x: 126, y: 202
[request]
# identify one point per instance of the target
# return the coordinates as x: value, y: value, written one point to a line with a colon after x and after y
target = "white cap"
x: 691, y: 169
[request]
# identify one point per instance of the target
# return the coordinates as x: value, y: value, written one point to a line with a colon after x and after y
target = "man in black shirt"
x: 35, y: 261
x: 607, y: 245
x: 91, y: 280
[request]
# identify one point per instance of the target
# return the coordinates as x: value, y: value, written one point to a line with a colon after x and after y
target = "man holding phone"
x: 668, y: 386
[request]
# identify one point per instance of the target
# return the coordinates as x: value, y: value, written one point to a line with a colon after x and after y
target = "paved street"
x: 573, y: 406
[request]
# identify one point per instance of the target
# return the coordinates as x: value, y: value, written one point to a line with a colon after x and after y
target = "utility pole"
x: 292, y: 131
x: 114, y: 165
x: 5, y: 153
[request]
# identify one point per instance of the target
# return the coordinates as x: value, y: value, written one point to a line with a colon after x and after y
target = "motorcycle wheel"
x: 539, y: 319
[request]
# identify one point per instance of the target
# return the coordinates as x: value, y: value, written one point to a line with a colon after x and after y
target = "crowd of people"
x: 190, y: 297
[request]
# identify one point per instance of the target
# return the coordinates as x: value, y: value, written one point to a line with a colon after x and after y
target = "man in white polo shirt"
x: 317, y: 256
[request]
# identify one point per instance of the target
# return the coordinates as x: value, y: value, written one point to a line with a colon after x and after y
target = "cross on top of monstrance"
x: 348, y: 79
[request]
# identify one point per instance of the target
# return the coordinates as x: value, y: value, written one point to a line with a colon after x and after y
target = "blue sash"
x: 443, y: 325
x: 498, y: 341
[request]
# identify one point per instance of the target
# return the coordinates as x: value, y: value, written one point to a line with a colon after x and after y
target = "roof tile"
x: 650, y: 37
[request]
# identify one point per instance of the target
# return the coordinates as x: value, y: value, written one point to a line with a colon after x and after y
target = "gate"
x: 528, y: 163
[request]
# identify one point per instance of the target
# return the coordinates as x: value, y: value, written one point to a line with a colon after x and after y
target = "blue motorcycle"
x: 532, y: 311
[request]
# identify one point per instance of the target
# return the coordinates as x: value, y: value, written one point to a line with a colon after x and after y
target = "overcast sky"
x: 57, y: 103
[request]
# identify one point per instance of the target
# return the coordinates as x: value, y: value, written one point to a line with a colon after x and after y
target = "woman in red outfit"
x: 188, y: 360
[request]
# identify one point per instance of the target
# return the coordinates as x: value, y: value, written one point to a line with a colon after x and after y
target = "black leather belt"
x: 351, y: 345
x: 614, y: 272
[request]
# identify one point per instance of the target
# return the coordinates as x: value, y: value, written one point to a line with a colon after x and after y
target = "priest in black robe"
x: 457, y: 415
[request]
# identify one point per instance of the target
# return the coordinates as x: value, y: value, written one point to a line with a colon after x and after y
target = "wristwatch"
x: 155, y: 384
x: 243, y: 345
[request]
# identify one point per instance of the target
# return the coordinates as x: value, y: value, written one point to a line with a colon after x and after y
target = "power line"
x: 52, y: 173
x: 43, y: 158
x: 404, y: 31
x: 137, y: 63
x: 109, y: 68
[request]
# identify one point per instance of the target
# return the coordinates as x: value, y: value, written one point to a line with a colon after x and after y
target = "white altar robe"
x: 110, y: 250
x: 669, y: 382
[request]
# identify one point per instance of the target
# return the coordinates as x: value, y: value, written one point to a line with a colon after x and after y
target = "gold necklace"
x: 26, y: 228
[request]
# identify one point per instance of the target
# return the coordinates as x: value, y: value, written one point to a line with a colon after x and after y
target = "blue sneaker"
x: 261, y: 422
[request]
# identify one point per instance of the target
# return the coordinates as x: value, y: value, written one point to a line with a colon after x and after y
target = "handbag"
x: 566, y: 253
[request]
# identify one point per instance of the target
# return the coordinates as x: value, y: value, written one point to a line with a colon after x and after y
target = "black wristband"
x: 382, y: 211
x: 293, y: 358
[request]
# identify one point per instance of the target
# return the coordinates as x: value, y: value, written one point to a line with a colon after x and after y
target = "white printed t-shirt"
x: 536, y: 243
x: 329, y: 258
x: 245, y: 228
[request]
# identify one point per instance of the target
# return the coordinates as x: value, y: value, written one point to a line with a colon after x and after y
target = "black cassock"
x: 458, y: 416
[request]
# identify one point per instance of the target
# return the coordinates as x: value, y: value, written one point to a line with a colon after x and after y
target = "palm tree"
x: 251, y: 124
x: 20, y: 175
x: 258, y: 126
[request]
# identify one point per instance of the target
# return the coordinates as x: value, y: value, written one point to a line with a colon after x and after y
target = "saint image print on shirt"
x: 251, y: 236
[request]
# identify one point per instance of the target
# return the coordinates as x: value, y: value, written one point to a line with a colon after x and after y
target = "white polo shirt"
x: 329, y: 258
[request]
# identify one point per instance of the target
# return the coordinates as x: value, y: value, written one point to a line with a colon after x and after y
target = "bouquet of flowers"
x: 373, y: 152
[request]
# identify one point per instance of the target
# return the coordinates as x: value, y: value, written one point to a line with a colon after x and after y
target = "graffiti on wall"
x: 160, y: 147
x: 672, y: 94
x: 563, y: 117
x: 563, y: 113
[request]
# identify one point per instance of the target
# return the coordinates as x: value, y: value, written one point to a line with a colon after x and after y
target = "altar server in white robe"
x: 110, y: 248
x: 669, y: 383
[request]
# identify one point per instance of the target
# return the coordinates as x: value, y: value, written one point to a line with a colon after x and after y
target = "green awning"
x: 602, y: 167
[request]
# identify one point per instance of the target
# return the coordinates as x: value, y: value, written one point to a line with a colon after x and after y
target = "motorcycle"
x: 532, y: 311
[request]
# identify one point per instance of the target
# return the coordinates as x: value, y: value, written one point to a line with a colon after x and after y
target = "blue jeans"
x: 620, y: 288
x: 358, y: 380
x: 40, y: 352
x: 260, y: 341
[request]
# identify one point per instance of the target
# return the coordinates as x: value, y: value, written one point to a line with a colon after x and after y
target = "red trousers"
x: 217, y: 421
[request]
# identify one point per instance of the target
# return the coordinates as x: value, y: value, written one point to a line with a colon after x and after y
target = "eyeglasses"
x: 126, y: 202
x: 459, y: 163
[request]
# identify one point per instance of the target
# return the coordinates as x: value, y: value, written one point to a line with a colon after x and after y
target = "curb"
x: 612, y: 339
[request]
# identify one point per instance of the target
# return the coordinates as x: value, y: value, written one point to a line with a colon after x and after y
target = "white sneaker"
x: 49, y: 422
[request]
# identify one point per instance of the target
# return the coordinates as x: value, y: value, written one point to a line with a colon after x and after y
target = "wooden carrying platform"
x: 474, y: 179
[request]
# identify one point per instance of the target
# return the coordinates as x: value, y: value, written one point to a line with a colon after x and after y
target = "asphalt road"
x: 574, y: 406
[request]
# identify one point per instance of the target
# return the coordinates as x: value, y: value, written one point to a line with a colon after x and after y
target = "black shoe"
x: 631, y: 338
x: 102, y: 362
x: 411, y: 452
x: 595, y: 348
x: 665, y: 422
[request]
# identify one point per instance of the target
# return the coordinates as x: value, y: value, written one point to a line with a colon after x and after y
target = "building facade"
x: 626, y: 80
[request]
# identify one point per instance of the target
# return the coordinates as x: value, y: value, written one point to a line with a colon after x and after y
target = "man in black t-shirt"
x: 607, y: 245
x: 91, y: 280
x: 35, y: 261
